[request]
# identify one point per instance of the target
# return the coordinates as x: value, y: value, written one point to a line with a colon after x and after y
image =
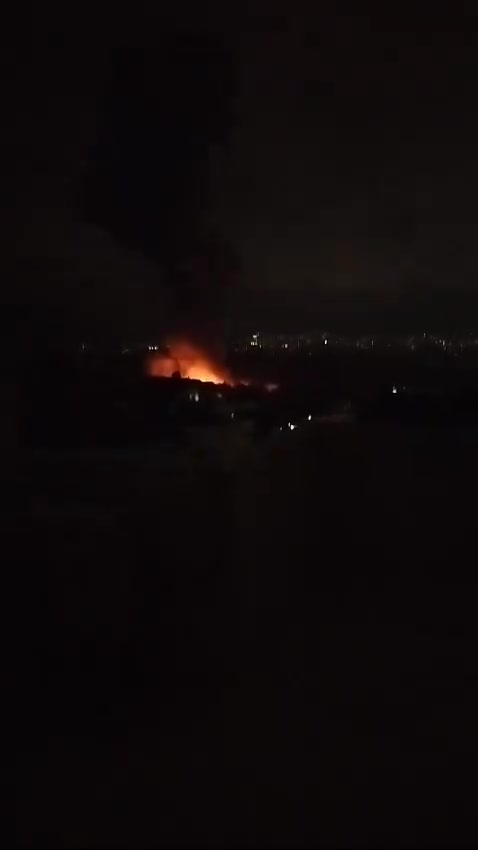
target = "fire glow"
x: 188, y: 361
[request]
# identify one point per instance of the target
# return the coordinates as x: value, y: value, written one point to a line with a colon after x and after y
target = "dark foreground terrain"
x: 276, y: 645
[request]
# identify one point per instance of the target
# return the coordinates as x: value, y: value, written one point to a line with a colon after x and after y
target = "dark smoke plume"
x: 149, y: 182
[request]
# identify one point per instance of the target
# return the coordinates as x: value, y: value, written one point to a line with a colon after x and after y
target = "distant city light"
x: 196, y: 396
x: 292, y: 426
x: 308, y: 342
x: 309, y: 417
x: 394, y: 390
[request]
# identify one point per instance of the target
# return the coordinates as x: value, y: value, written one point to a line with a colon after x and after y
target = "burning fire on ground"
x: 190, y: 362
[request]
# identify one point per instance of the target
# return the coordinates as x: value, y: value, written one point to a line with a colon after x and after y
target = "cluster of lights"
x: 292, y: 426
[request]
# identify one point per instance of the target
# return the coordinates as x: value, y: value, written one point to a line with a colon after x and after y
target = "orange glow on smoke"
x: 190, y: 362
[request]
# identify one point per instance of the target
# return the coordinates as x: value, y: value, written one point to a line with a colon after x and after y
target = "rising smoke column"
x: 149, y: 182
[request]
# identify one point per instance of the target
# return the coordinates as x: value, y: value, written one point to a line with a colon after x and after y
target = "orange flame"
x: 190, y: 362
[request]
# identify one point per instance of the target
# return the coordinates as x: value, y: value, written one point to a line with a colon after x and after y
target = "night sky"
x: 278, y: 166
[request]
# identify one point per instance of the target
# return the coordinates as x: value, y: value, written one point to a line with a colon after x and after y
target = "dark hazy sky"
x: 334, y: 153
x: 353, y: 162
